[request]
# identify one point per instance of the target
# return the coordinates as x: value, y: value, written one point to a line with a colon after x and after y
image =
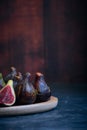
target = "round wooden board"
x: 28, y: 109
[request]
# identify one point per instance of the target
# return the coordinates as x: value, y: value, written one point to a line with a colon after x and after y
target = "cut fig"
x: 7, y: 94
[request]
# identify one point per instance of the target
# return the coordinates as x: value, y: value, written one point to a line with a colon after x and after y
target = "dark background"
x: 44, y: 35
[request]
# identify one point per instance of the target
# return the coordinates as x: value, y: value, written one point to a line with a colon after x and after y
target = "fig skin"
x: 11, y: 75
x: 26, y: 92
x: 43, y: 90
x: 42, y: 97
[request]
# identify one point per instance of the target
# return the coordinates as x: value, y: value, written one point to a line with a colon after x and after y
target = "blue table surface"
x: 70, y: 113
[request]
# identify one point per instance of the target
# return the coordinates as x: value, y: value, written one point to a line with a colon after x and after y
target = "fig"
x: 43, y: 90
x: 17, y: 79
x: 7, y: 94
x: 18, y: 86
x: 27, y: 93
x: 11, y: 74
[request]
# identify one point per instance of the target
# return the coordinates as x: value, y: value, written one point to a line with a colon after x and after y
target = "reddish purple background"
x: 44, y: 35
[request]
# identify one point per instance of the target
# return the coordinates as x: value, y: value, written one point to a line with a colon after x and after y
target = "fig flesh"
x: 7, y: 94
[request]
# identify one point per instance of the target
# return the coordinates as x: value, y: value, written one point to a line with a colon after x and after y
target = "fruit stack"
x: 17, y: 89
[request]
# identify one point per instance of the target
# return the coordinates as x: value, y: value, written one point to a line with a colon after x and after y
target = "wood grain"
x: 44, y: 35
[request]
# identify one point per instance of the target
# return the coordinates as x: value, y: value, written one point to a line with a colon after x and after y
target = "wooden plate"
x: 28, y: 109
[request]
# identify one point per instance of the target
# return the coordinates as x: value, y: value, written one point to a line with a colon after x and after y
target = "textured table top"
x: 70, y: 113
